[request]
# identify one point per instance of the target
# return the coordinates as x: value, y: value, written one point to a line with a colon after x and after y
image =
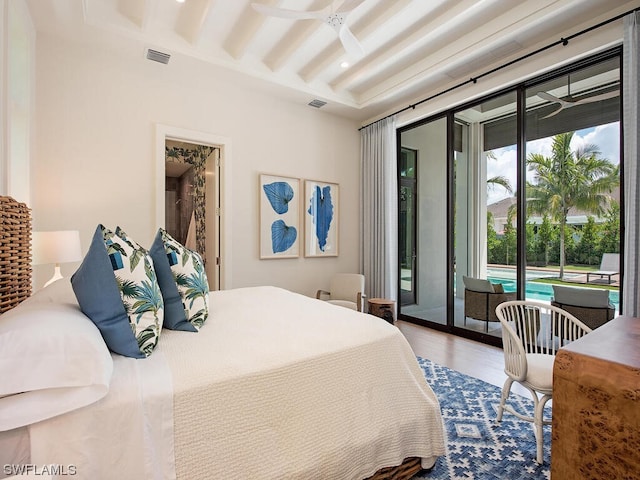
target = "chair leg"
x: 537, y: 419
x: 506, y: 389
x: 538, y: 423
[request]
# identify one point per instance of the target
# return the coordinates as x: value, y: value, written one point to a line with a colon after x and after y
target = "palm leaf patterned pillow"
x: 138, y: 286
x: 188, y: 271
x: 175, y: 316
x: 117, y: 288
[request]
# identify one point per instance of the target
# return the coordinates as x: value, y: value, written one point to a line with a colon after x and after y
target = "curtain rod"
x: 563, y: 41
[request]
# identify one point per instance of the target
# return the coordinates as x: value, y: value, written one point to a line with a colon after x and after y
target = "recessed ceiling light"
x: 180, y: 1
x: 344, y: 64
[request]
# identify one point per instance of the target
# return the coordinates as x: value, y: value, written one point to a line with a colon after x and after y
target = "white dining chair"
x: 532, y: 333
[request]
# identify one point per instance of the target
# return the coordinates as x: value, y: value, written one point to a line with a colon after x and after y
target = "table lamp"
x: 56, y: 247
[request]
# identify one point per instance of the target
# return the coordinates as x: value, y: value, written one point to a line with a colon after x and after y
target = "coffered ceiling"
x: 409, y: 46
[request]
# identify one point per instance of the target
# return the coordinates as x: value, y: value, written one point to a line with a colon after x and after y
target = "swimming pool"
x: 538, y: 291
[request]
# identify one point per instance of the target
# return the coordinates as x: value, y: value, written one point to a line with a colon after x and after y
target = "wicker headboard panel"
x: 15, y: 253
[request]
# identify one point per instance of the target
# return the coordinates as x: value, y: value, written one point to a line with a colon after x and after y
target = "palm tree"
x: 501, y: 181
x: 567, y: 179
x: 498, y: 180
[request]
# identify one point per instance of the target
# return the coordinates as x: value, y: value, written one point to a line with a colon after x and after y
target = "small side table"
x: 383, y: 308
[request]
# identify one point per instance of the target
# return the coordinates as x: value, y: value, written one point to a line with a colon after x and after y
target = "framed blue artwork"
x: 279, y: 217
x: 321, y: 214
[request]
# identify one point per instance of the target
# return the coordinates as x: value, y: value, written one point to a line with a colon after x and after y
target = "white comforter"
x: 275, y: 385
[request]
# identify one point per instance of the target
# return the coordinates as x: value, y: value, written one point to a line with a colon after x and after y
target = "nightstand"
x: 383, y: 308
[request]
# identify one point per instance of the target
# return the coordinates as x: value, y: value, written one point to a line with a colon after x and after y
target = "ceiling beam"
x: 137, y: 11
x: 299, y: 32
x: 481, y: 37
x: 191, y: 19
x: 238, y: 40
x: 410, y: 38
x: 365, y: 27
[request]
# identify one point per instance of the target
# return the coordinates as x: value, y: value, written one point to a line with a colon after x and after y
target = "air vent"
x: 317, y: 103
x: 157, y: 56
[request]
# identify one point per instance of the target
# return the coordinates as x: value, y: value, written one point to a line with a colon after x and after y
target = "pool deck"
x: 575, y: 276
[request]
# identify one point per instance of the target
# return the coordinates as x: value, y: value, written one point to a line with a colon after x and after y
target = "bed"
x: 274, y: 385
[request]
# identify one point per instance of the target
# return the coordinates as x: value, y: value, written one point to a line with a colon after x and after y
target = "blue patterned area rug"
x: 478, y: 447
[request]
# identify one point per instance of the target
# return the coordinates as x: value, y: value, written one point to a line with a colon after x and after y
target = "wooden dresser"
x: 596, y: 405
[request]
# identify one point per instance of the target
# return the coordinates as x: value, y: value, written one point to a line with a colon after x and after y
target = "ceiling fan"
x: 569, y: 101
x: 336, y: 19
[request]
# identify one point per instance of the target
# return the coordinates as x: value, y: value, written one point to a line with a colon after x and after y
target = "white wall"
x: 17, y: 44
x: 95, y: 158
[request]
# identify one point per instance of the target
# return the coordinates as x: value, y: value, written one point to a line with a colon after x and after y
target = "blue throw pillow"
x: 188, y: 276
x: 117, y: 289
x: 175, y: 316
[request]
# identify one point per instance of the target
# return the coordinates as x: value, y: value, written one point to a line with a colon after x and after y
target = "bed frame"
x: 407, y: 469
x: 15, y: 286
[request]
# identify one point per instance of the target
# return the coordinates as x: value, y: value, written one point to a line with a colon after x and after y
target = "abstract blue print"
x: 321, y: 209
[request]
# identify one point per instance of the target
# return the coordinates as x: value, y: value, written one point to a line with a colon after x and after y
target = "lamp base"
x: 56, y: 276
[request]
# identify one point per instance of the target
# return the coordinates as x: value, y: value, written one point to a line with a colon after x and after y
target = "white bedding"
x: 275, y: 385
x: 127, y: 434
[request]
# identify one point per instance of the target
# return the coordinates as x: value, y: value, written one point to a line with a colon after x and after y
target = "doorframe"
x: 167, y: 132
x: 412, y: 183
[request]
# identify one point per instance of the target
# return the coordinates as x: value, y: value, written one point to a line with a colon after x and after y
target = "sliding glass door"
x: 505, y: 197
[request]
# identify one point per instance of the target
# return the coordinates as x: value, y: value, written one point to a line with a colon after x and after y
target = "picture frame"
x: 321, y: 218
x: 279, y: 223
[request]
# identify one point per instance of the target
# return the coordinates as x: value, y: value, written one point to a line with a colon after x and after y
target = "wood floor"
x: 467, y: 356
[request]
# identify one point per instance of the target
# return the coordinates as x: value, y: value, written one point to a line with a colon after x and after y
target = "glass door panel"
x: 573, y: 179
x: 423, y: 221
x: 485, y: 212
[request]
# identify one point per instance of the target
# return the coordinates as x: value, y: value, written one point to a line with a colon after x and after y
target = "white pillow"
x: 52, y: 359
x: 59, y: 291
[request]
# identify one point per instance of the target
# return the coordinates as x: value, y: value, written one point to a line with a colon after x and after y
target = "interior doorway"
x: 190, y: 192
x: 192, y: 200
x: 179, y: 204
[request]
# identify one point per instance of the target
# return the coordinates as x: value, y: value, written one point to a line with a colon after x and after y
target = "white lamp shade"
x: 56, y: 247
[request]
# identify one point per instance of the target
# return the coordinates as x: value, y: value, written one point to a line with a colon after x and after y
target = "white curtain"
x: 631, y: 102
x: 379, y: 207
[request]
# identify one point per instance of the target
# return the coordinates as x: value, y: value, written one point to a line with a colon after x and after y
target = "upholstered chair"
x: 346, y: 290
x: 481, y: 297
x: 590, y: 305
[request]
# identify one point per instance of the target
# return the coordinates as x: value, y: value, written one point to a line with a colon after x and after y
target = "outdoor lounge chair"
x: 481, y: 297
x: 589, y: 305
x: 609, y: 266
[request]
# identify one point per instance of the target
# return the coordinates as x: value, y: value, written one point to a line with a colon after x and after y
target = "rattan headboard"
x: 15, y: 253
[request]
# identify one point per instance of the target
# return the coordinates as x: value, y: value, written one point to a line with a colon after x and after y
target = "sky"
x: 606, y: 137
